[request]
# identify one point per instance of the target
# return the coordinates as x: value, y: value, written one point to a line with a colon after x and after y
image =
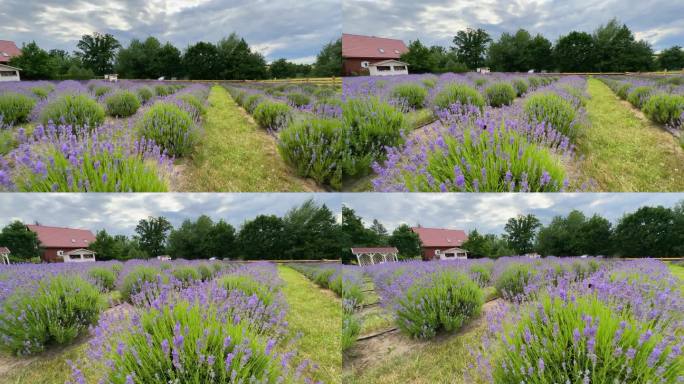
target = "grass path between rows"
x: 678, y: 271
x: 624, y: 151
x: 317, y: 314
x: 235, y: 155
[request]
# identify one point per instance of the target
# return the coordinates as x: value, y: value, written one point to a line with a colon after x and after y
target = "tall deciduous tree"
x: 521, y: 232
x: 329, y: 60
x: 98, y: 52
x: 22, y: 243
x: 671, y: 58
x: 470, y: 46
x: 574, y: 52
x: 649, y: 232
x: 311, y: 232
x: 152, y: 233
x: 201, y: 61
x: 35, y: 63
x: 202, y: 239
x: 407, y: 242
x: 263, y: 238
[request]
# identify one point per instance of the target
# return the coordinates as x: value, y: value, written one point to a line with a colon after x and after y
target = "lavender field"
x: 513, y: 320
x: 97, y: 136
x: 151, y: 321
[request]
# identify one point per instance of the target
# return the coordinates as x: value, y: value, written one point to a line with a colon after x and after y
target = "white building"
x: 452, y: 254
x: 388, y: 68
x: 375, y: 255
x: 78, y: 256
x: 8, y: 73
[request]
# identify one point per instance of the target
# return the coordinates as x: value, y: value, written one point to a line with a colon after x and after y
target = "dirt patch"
x: 383, y: 348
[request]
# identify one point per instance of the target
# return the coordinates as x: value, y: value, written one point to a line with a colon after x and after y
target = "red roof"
x: 58, y: 237
x: 8, y: 50
x: 375, y: 250
x: 371, y: 47
x: 439, y: 237
x: 4, y: 251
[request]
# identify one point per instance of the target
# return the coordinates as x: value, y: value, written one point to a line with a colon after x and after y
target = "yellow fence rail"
x: 297, y: 80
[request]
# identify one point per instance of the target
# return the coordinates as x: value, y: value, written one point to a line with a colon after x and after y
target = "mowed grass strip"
x: 318, y: 316
x: 678, y: 270
x: 235, y: 155
x: 624, y: 152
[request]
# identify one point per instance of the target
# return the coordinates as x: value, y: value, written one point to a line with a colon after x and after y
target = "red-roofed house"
x: 63, y: 244
x: 8, y: 50
x: 440, y: 243
x: 360, y: 54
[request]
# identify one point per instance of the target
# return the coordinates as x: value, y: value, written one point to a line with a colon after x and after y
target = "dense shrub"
x: 103, y: 278
x: 122, y: 104
x: 248, y: 286
x: 170, y: 127
x: 373, y: 124
x: 77, y: 110
x: 664, y: 108
x: 163, y: 90
x: 272, y: 115
x: 582, y: 340
x: 513, y: 280
x: 534, y: 82
x: 443, y: 301
x: 429, y: 82
x: 191, y: 343
x: 412, y: 94
x: 553, y: 109
x: 15, y: 108
x: 458, y: 93
x: 186, y: 275
x: 351, y: 327
x: 134, y: 281
x: 251, y: 102
x: 101, y: 90
x: 639, y: 96
x: 623, y: 90
x: 145, y: 93
x: 520, y: 86
x: 499, y: 94
x: 205, y: 272
x: 479, y: 82
x: 481, y: 274
x: 41, y: 92
x: 298, y: 99
x: 58, y: 311
x: 194, y: 105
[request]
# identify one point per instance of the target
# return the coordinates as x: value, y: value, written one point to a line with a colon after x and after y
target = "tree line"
x: 306, y: 232
x: 612, y: 47
x: 230, y: 58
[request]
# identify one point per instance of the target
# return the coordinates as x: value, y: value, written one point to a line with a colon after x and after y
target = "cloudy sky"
x: 659, y: 22
x: 294, y: 30
x: 488, y: 212
x: 119, y: 213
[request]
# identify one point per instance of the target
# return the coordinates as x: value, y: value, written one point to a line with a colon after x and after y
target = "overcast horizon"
x: 436, y: 21
x: 119, y: 213
x: 489, y: 212
x: 276, y: 28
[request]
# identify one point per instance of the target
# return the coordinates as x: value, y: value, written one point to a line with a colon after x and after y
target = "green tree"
x: 98, y: 51
x: 169, y: 62
x: 470, y: 46
x: 381, y: 236
x: 329, y: 60
x: 597, y: 236
x: 575, y: 53
x: 521, y: 232
x: 104, y: 246
x: 419, y: 58
x: 311, y: 232
x: 202, y: 239
x: 616, y: 49
x: 671, y: 58
x: 152, y: 233
x: 263, y: 238
x: 520, y: 52
x: 649, y: 232
x: 354, y: 233
x: 35, y: 63
x: 236, y: 61
x: 201, y: 61
x: 22, y: 243
x: 407, y: 242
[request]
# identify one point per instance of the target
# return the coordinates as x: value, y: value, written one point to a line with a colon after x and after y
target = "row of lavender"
x: 561, y: 319
x: 661, y: 100
x: 191, y: 322
x: 65, y: 142
x: 347, y: 282
x: 518, y: 147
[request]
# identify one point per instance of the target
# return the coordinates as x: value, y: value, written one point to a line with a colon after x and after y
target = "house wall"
x: 429, y: 252
x: 8, y: 75
x: 353, y: 66
x: 50, y: 254
x: 392, y: 72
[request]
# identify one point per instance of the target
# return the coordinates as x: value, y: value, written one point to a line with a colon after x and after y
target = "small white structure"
x: 79, y: 256
x: 112, y: 77
x: 388, y: 68
x: 164, y: 258
x: 4, y: 255
x: 8, y: 73
x: 375, y: 255
x: 533, y: 255
x: 483, y: 70
x: 452, y: 254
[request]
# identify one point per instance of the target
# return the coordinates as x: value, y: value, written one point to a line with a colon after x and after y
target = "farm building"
x: 388, y: 68
x: 360, y: 52
x: 4, y: 255
x: 57, y: 243
x: 8, y: 50
x: 79, y: 255
x: 375, y: 255
x: 8, y: 73
x: 442, y: 244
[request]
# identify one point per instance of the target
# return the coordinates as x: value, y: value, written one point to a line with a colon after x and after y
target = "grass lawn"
x: 235, y: 155
x: 678, y: 271
x: 625, y: 152
x: 317, y: 314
